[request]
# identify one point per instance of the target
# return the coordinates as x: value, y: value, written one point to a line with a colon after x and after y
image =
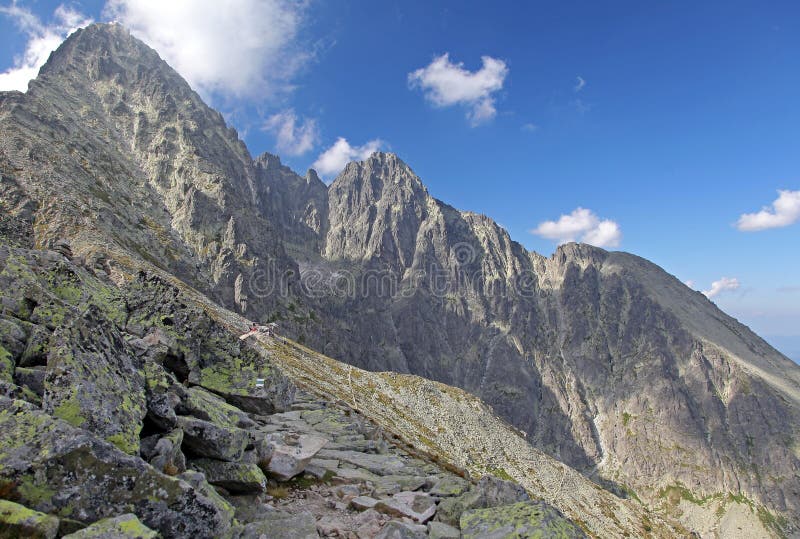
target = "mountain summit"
x: 602, y: 359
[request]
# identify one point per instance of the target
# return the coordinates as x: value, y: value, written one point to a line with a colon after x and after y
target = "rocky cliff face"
x: 604, y: 360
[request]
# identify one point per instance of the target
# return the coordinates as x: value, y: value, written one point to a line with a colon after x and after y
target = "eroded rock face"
x: 60, y: 469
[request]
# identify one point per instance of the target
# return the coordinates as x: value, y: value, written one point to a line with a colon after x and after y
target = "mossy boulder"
x: 489, y: 492
x: 237, y: 477
x: 121, y: 527
x: 18, y: 521
x: 524, y: 519
x: 205, y: 405
x: 95, y: 382
x: 279, y: 525
x: 55, y: 468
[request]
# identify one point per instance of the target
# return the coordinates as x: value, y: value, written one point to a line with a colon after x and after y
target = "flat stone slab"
x: 353, y: 475
x: 377, y: 464
x: 362, y: 503
x: 414, y: 505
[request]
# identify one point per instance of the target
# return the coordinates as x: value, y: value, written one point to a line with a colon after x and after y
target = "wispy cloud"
x: 690, y: 283
x: 722, y: 285
x: 581, y: 225
x: 784, y: 211
x: 335, y: 158
x: 238, y: 48
x: 580, y: 84
x: 293, y: 136
x: 445, y: 83
x: 42, y: 40
x: 529, y: 127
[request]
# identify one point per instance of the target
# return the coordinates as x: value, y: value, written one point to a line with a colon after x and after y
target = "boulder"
x: 33, y: 379
x: 94, y: 381
x: 524, y: 519
x: 167, y: 456
x: 56, y: 468
x: 489, y: 492
x: 19, y: 521
x: 237, y: 477
x: 163, y: 395
x: 291, y: 454
x: 35, y: 353
x: 206, y: 439
x: 396, y: 529
x: 414, y: 505
x: 279, y: 525
x: 368, y: 524
x: 121, y: 527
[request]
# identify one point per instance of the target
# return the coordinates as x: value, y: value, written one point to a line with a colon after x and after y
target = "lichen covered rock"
x: 56, y: 468
x: 94, y: 381
x: 18, y: 521
x: 121, y: 527
x: 239, y: 477
x: 524, y: 519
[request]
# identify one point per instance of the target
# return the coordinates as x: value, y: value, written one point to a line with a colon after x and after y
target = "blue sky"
x: 687, y: 116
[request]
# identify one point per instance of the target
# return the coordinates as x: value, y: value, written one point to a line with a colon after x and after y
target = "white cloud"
x: 785, y: 210
x: 445, y: 83
x: 334, y: 159
x: 42, y: 40
x: 580, y: 84
x: 690, y: 283
x: 717, y: 287
x: 529, y: 127
x: 581, y: 225
x: 239, y: 48
x: 293, y: 136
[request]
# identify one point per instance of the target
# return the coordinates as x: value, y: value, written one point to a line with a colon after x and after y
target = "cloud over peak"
x: 723, y: 284
x: 581, y: 225
x: 42, y: 40
x: 784, y: 211
x: 239, y: 48
x: 293, y: 136
x: 335, y: 158
x: 445, y: 83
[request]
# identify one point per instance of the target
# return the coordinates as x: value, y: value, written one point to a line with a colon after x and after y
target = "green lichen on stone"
x: 121, y: 527
x: 6, y: 365
x: 70, y: 411
x: 18, y: 521
x: 524, y: 519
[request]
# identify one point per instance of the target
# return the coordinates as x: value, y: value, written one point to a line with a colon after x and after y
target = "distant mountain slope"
x: 605, y: 361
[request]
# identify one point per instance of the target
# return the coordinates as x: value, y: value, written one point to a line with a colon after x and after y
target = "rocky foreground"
x: 131, y: 413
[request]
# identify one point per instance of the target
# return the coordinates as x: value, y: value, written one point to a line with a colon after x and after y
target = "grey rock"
x: 207, y: 439
x: 291, y: 454
x: 280, y: 525
x: 377, y: 464
x: 396, y: 529
x: 362, y: 503
x: 167, y: 456
x: 414, y: 505
x: 440, y: 530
